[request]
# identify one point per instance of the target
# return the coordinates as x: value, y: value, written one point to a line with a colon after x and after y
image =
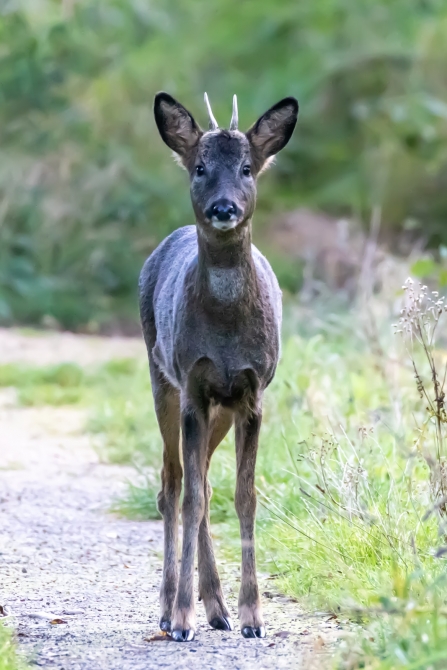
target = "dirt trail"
x: 63, y: 556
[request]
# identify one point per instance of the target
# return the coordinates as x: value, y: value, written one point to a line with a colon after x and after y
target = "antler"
x: 234, y: 118
x: 212, y: 122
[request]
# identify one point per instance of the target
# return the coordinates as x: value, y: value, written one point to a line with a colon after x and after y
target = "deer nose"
x: 223, y: 210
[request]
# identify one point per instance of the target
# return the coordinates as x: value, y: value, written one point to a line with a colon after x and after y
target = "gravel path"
x: 82, y: 585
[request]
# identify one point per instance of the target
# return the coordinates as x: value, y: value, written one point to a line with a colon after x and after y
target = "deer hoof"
x: 165, y: 625
x: 221, y: 623
x: 183, y: 635
x: 250, y: 631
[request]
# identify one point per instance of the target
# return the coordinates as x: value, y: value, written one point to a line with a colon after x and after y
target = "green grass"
x: 412, y: 641
x: 140, y: 501
x: 62, y: 384
x: 9, y: 659
x: 343, y: 485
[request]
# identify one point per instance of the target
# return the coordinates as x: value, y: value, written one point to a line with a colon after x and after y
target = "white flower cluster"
x: 421, y: 312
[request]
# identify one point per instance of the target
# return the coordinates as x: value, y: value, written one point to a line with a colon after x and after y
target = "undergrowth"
x: 9, y: 660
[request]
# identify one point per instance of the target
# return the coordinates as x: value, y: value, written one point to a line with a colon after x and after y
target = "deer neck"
x: 226, y: 276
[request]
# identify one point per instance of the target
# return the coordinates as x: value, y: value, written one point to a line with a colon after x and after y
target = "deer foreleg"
x: 195, y: 433
x: 247, y: 435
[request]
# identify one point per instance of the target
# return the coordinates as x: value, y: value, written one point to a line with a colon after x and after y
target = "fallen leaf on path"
x: 282, y: 634
x: 57, y: 621
x: 319, y: 642
x: 158, y: 637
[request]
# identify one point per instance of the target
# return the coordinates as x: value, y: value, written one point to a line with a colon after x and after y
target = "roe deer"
x: 211, y: 314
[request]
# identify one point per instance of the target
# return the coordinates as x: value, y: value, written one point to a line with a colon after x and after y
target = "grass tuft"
x: 9, y: 659
x: 140, y: 501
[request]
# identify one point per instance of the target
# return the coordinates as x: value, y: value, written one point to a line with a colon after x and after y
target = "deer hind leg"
x: 210, y: 590
x: 247, y: 435
x: 168, y: 415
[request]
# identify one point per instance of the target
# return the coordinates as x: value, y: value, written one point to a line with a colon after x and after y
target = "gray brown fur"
x: 211, y: 315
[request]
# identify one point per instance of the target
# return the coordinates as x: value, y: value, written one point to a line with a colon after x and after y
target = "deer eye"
x: 200, y: 170
x: 246, y: 171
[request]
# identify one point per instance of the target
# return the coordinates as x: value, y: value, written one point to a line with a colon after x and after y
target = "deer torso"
x: 221, y: 318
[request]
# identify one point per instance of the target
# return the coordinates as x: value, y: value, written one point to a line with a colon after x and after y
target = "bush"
x: 86, y: 185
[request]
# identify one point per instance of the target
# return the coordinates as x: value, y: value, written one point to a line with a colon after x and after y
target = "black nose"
x: 223, y: 210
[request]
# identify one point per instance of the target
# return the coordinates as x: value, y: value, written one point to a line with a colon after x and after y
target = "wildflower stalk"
x: 418, y: 323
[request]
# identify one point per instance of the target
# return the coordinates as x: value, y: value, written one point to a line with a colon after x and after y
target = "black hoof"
x: 250, y: 631
x: 165, y: 625
x: 221, y: 623
x: 183, y: 635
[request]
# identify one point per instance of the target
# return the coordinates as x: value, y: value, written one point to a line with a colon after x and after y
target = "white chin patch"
x: 224, y: 225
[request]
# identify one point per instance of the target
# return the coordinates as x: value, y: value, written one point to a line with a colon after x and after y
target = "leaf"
x: 159, y: 637
x: 56, y: 621
x: 424, y: 267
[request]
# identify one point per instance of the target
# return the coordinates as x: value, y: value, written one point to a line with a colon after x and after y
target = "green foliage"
x: 62, y: 384
x: 65, y: 383
x: 432, y: 270
x: 9, y: 659
x: 125, y: 422
x: 86, y: 186
x: 412, y: 641
x: 289, y: 273
x: 140, y: 501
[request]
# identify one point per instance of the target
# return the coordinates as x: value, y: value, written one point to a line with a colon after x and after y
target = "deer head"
x: 223, y: 165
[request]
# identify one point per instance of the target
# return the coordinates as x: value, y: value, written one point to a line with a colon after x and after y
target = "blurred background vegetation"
x: 87, y: 188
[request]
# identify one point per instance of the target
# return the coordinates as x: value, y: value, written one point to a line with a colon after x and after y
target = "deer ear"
x: 272, y: 130
x: 176, y: 125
